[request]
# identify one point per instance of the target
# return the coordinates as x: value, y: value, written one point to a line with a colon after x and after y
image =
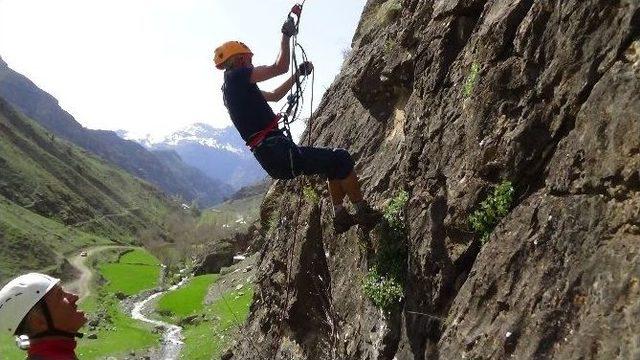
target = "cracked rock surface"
x: 446, y: 99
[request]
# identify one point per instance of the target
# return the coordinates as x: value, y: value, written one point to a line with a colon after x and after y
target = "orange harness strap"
x: 256, y: 139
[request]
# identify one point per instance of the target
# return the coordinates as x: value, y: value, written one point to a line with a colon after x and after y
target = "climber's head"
x: 36, y: 305
x: 232, y: 54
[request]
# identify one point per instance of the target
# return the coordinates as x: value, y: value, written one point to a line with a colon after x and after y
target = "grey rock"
x: 219, y: 255
x: 189, y: 320
x: 446, y: 100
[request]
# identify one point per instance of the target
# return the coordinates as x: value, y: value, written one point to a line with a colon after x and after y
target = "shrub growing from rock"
x: 384, y: 283
x: 492, y: 210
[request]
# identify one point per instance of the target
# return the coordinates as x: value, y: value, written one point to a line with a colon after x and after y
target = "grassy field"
x: 139, y: 257
x: 187, y: 300
x: 135, y: 272
x: 208, y: 339
x: 121, y: 335
x: 212, y: 331
x: 118, y: 333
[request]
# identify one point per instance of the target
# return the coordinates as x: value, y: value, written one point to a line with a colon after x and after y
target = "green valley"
x: 73, y: 215
x: 210, y: 308
x: 129, y: 272
x: 56, y: 199
x: 134, y: 272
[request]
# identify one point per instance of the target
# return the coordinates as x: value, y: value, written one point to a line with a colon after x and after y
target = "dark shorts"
x: 281, y: 158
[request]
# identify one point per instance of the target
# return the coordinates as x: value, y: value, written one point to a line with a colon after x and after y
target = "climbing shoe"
x: 342, y: 221
x: 367, y: 217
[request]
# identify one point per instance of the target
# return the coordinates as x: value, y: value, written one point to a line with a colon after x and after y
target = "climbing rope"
x: 238, y: 328
x: 289, y: 113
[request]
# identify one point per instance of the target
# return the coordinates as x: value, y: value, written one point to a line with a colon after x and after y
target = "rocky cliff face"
x: 445, y: 100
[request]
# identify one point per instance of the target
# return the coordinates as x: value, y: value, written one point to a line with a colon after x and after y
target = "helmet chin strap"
x: 51, y: 329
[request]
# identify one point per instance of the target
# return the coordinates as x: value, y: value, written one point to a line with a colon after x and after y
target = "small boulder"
x: 220, y: 254
x: 189, y: 320
x: 228, y: 355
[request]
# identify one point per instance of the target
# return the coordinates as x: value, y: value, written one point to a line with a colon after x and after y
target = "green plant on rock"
x: 492, y: 210
x: 384, y: 283
x: 311, y: 194
x: 472, y: 79
x: 388, y: 11
x: 394, y: 213
x: 384, y: 291
x: 274, y: 221
x: 389, y: 46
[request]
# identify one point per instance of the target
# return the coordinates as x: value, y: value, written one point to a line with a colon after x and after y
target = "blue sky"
x: 145, y: 65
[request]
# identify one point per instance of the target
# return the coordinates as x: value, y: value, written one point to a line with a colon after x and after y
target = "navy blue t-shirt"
x: 247, y: 107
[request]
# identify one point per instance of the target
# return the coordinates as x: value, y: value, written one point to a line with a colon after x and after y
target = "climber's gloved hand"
x: 296, y: 9
x: 289, y: 28
x: 305, y: 69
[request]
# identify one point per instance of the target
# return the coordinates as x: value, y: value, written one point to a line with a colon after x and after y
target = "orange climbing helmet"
x: 227, y: 50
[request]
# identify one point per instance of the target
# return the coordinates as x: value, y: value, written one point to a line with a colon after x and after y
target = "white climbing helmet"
x: 19, y: 296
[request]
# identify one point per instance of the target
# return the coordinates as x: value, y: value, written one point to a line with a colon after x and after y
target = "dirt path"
x: 80, y: 285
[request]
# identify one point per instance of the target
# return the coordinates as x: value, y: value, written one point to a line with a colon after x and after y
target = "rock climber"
x: 278, y: 154
x: 35, y: 305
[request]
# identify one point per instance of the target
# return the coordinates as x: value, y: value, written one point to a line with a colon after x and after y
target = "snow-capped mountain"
x: 219, y: 153
x: 222, y: 139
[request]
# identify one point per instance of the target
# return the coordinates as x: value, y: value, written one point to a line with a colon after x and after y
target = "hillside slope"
x: 446, y: 100
x: 55, y: 197
x: 165, y: 172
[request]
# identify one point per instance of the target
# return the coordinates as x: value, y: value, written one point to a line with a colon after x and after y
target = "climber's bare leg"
x: 336, y: 191
x: 351, y: 187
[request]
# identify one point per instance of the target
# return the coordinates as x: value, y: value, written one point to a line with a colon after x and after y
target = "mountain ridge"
x: 56, y: 198
x: 134, y: 158
x: 220, y: 153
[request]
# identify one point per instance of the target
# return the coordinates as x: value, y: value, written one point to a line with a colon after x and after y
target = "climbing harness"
x: 256, y: 139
